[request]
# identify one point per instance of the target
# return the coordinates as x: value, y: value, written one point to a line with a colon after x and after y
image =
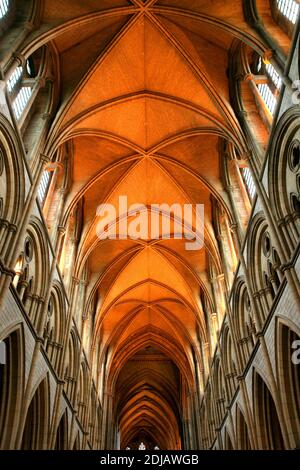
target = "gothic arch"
x: 40, y: 256
x: 82, y: 396
x: 76, y: 443
x: 229, y: 360
x: 71, y: 365
x: 219, y: 390
x: 243, y: 319
x: 62, y: 432
x: 136, y: 340
x: 265, y: 274
x: 36, y: 427
x: 12, y: 178
x: 268, y: 427
x: 242, y: 431
x: 288, y: 372
x: 228, y: 443
x: 54, y: 330
x: 284, y: 175
x: 27, y: 13
x: 11, y: 384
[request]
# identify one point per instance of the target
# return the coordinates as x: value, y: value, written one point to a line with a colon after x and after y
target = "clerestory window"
x: 249, y: 182
x: 44, y: 186
x: 20, y: 88
x: 269, y: 90
x: 289, y: 9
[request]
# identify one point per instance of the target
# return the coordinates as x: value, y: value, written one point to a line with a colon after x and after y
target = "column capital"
x: 62, y: 191
x: 5, y: 223
x: 239, y: 76
x: 234, y: 227
x: 240, y: 378
x: 280, y: 222
x: 229, y: 188
x: 247, y: 156
x: 267, y: 56
x: 20, y: 58
x: 242, y: 113
x: 248, y: 77
x: 7, y: 271
x: 75, y: 280
x: 61, y: 229
x: 44, y: 158
x: 12, y: 228
x: 29, y: 26
x: 46, y: 116
x: 287, y: 266
x: 52, y: 166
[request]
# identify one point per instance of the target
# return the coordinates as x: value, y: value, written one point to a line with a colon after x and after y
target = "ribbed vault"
x: 145, y: 107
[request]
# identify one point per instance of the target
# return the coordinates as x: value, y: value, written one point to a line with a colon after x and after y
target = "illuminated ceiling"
x: 144, y: 106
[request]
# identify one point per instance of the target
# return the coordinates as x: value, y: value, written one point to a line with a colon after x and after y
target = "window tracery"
x: 289, y: 8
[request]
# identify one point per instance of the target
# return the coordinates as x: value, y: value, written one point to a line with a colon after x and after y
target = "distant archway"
x: 36, y: 428
x: 267, y: 422
x: 61, y: 442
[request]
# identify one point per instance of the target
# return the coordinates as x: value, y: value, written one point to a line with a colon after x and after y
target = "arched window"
x: 230, y: 370
x: 266, y: 273
x: 14, y: 78
x: 268, y: 85
x: 30, y: 89
x: 257, y: 98
x: 4, y: 7
x: 219, y: 392
x: 54, y: 326
x: 289, y: 9
x: 249, y: 182
x: 44, y: 186
x: 71, y: 366
x: 20, y: 87
x: 82, y: 392
x: 245, y: 326
x: 285, y: 13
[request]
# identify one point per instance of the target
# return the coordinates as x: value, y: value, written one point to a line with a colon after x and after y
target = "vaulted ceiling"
x: 144, y: 106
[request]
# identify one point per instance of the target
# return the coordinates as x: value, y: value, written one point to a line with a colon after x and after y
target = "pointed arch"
x: 36, y: 428
x: 287, y: 340
x: 11, y: 384
x: 62, y: 432
x: 242, y: 433
x: 268, y: 427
